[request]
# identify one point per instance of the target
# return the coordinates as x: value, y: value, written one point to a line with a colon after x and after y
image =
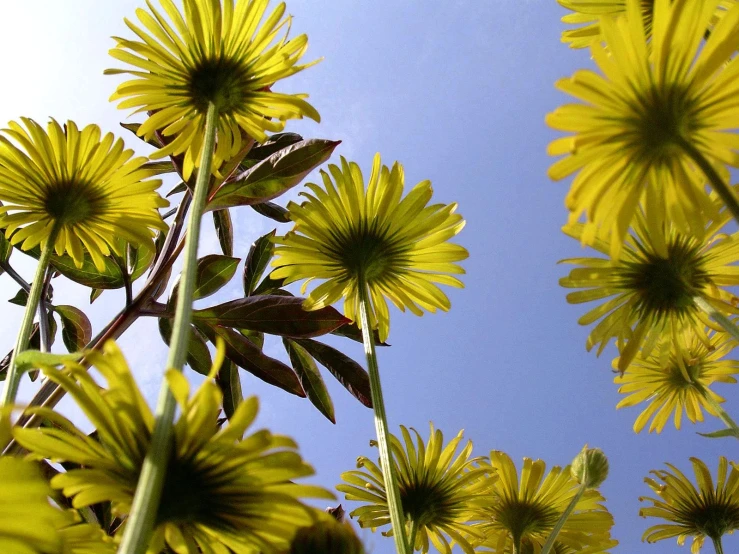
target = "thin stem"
x: 43, y: 314
x: 717, y: 316
x: 717, y: 183
x: 414, y: 532
x: 383, y: 435
x: 717, y: 545
x: 516, y: 547
x: 563, y: 518
x: 151, y: 480
x: 7, y: 268
x: 14, y: 376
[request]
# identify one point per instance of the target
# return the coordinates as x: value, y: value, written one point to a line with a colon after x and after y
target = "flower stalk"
x: 717, y: 545
x: 563, y: 518
x: 383, y: 435
x: 34, y: 296
x: 149, y: 488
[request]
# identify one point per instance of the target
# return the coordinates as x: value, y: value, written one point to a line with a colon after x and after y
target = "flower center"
x: 221, y: 81
x: 667, y: 286
x: 425, y: 503
x: 70, y: 202
x: 187, y: 495
x: 686, y: 375
x: 715, y: 517
x: 524, y: 519
x: 368, y: 253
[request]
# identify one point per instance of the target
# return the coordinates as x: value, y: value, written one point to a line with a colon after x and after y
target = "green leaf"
x: 273, y: 144
x: 34, y: 343
x: 310, y: 378
x: 269, y: 286
x: 224, y: 231
x: 94, y: 294
x: 5, y: 249
x: 349, y: 373
x: 140, y: 259
x: 198, y: 354
x: 182, y: 187
x: 134, y: 127
x: 273, y: 176
x: 254, y: 336
x: 230, y: 384
x: 213, y: 272
x: 273, y: 211
x: 352, y: 331
x: 257, y: 260
x: 111, y: 277
x: 20, y: 298
x: 245, y: 354
x: 159, y: 167
x: 76, y: 328
x: 720, y: 434
x: 272, y: 314
x: 34, y: 359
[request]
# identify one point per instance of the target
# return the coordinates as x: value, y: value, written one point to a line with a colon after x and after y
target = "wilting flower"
x: 706, y: 511
x: 29, y: 524
x: 649, y: 291
x: 217, y: 53
x: 676, y: 378
x: 221, y: 490
x: 82, y: 191
x: 526, y: 510
x: 353, y: 236
x: 439, y: 493
x: 589, y: 12
x: 657, y: 104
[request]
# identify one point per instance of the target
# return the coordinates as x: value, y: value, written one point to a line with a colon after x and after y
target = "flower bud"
x: 590, y: 467
x: 327, y: 537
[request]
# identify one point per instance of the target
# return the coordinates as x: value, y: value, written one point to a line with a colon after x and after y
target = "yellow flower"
x: 348, y: 234
x: 656, y: 101
x: 327, y: 537
x: 589, y: 12
x: 218, y: 53
x: 29, y: 524
x: 439, y: 493
x: 221, y: 490
x: 677, y: 378
x: 649, y: 291
x: 707, y: 511
x: 90, y: 189
x: 526, y: 510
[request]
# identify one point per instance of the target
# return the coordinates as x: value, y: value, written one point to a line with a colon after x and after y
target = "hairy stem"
x: 383, y: 435
x: 37, y: 286
x: 151, y: 480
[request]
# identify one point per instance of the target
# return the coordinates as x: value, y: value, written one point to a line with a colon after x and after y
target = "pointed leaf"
x: 76, y: 328
x: 273, y: 144
x: 5, y: 249
x: 224, y: 231
x: 257, y: 260
x: 198, y: 354
x: 310, y: 378
x: 229, y: 382
x: 140, y: 259
x: 34, y: 359
x: 159, y: 167
x: 254, y: 336
x: 352, y: 331
x: 245, y: 354
x: 94, y: 294
x: 269, y: 286
x: 213, y: 272
x: 273, y: 176
x: 20, y: 298
x: 134, y: 127
x: 273, y: 211
x: 349, y: 373
x: 721, y: 433
x: 182, y: 187
x: 272, y: 314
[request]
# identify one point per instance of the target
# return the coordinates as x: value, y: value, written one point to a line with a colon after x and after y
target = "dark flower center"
x: 426, y: 503
x: 687, y: 376
x: 714, y: 516
x: 188, y: 496
x: 524, y: 519
x: 221, y: 81
x: 667, y: 286
x: 70, y: 202
x: 369, y: 253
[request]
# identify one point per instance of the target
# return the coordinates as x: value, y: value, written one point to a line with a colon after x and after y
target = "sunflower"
x: 650, y: 288
x: 707, y: 511
x: 589, y: 12
x: 220, y: 491
x: 353, y: 236
x: 677, y: 378
x: 76, y: 189
x: 525, y: 511
x: 29, y: 524
x: 659, y: 105
x: 214, y: 54
x: 439, y: 493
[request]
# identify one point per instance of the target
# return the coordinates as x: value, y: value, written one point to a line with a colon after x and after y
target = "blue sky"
x: 457, y: 91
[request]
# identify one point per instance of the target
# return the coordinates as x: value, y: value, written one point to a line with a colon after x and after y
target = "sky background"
x: 457, y: 91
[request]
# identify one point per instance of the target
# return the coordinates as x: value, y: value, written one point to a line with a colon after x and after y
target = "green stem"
x: 717, y: 545
x: 516, y: 545
x: 412, y: 538
x: 717, y: 183
x: 34, y: 296
x: 383, y: 435
x: 721, y: 413
x: 148, y: 492
x: 563, y: 518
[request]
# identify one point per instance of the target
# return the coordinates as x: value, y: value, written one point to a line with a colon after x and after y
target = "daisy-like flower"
x: 221, y: 491
x: 80, y: 190
x: 327, y: 537
x: 217, y: 53
x: 439, y: 493
x: 659, y: 106
x: 588, y: 13
x: 649, y: 291
x: 353, y: 236
x: 705, y: 511
x: 677, y: 379
x: 525, y: 510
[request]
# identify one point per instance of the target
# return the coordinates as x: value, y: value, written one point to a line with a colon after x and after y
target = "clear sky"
x: 457, y: 91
